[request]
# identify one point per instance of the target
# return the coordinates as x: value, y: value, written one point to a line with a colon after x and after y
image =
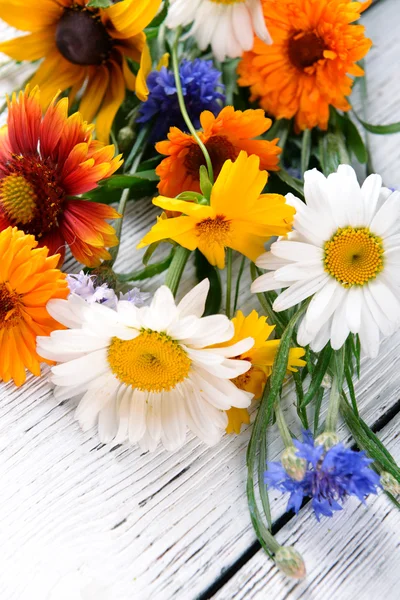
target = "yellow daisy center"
x: 214, y: 231
x: 151, y: 362
x: 305, y: 49
x: 18, y: 198
x: 30, y: 194
x: 82, y: 38
x: 354, y: 256
x: 10, y: 303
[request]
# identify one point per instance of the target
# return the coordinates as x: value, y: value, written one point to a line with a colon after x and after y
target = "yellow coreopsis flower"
x: 83, y: 47
x: 261, y: 356
x: 239, y: 215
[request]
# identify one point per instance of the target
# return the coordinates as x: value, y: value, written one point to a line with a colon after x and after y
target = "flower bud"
x: 105, y: 274
x: 289, y: 561
x: 326, y: 382
x: 294, y: 466
x: 390, y: 483
x: 125, y: 138
x: 328, y: 439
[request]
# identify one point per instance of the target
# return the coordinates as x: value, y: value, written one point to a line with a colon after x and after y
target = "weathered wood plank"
x: 353, y: 555
x: 151, y: 526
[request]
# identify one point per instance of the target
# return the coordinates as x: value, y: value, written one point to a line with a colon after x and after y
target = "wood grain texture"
x: 75, y: 514
x: 355, y: 554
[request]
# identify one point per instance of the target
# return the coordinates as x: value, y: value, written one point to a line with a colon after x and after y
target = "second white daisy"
x: 228, y: 25
x: 145, y: 373
x: 344, y: 251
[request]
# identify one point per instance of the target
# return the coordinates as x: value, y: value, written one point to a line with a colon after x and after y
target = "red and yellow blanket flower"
x: 45, y: 161
x: 239, y: 215
x: 28, y: 280
x: 261, y: 356
x: 224, y: 137
x: 307, y: 68
x: 83, y: 48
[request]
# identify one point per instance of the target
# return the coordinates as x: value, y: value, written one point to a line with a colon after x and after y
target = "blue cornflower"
x: 330, y: 476
x: 201, y: 88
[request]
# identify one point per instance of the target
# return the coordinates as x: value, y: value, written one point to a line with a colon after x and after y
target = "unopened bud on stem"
x: 289, y: 561
x: 294, y: 466
x: 390, y: 484
x: 328, y: 439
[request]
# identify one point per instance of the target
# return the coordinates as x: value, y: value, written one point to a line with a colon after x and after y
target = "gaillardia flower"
x: 28, y: 280
x: 228, y: 25
x: 83, y: 48
x: 146, y: 373
x: 201, y: 88
x: 239, y: 216
x: 44, y: 163
x: 343, y: 253
x: 224, y: 137
x: 261, y: 357
x: 330, y: 477
x: 308, y: 67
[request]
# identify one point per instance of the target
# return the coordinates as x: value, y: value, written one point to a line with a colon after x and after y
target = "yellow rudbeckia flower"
x: 239, y: 216
x: 261, y: 356
x: 81, y: 46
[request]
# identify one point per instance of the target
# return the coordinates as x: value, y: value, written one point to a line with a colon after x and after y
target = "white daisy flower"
x: 228, y: 25
x: 145, y: 373
x: 345, y: 253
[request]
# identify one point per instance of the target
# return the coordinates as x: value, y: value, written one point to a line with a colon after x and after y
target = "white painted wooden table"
x: 84, y: 521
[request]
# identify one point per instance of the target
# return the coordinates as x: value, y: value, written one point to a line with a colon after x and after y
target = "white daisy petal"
x: 236, y: 349
x: 102, y: 391
x: 80, y: 370
x: 268, y: 261
x: 354, y: 300
x: 173, y: 416
x: 296, y: 251
x: 68, y: 312
x: 369, y: 333
x: 299, y: 291
x: 321, y: 339
x: 195, y: 301
x: 267, y: 283
x: 339, y: 328
x: 370, y: 191
x: 212, y: 330
x: 138, y: 415
x: 162, y: 311
x: 388, y: 214
x: 299, y: 271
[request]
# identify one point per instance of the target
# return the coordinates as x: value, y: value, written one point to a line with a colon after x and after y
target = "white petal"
x: 266, y: 283
x: 124, y: 394
x: 68, y: 312
x: 220, y: 393
x: 259, y: 24
x: 385, y: 298
x: 102, y: 391
x: 137, y: 417
x: 214, y: 329
x: 242, y: 26
x: 387, y: 215
x: 269, y: 262
x: 153, y: 419
x: 236, y: 349
x: 162, y: 311
x: 299, y: 271
x: 369, y: 334
x: 370, y: 191
x: 383, y: 321
x: 108, y: 421
x: 195, y: 301
x: 173, y: 417
x: 128, y: 314
x: 299, y: 291
x: 81, y: 370
x: 339, y: 329
x: 296, y: 251
x: 316, y: 191
x: 354, y: 299
x: 324, y: 303
x: 321, y: 339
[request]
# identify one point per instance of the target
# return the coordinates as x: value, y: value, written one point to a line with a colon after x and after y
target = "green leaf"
x: 129, y: 181
x: 205, y: 183
x: 100, y: 3
x: 295, y: 184
x: 305, y: 150
x: 206, y: 271
x: 380, y: 129
x: 149, y: 252
x: 355, y: 142
x: 333, y: 152
x: 190, y: 196
x: 148, y: 272
x: 318, y: 374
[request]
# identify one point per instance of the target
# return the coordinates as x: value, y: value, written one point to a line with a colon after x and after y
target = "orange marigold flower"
x: 307, y: 68
x: 261, y: 356
x: 83, y: 47
x: 46, y: 161
x: 28, y: 280
x: 224, y: 137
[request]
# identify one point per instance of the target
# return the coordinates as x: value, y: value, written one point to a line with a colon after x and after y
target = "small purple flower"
x: 201, y: 87
x: 85, y: 286
x: 331, y: 476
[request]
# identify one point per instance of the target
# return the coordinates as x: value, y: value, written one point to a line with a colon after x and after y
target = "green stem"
x: 239, y: 277
x: 176, y: 268
x: 228, y: 282
x: 185, y: 115
x: 337, y: 384
x: 282, y: 425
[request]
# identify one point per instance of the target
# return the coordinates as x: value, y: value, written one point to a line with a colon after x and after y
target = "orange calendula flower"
x: 239, y: 216
x: 44, y: 162
x: 83, y: 47
x: 224, y: 137
x: 28, y: 280
x: 306, y: 69
x: 261, y: 356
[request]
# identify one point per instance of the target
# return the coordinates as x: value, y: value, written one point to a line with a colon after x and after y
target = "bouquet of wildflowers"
x: 233, y: 117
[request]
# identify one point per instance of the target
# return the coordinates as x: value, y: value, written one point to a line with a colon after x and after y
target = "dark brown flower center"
x: 82, y: 38
x: 219, y: 148
x: 30, y: 195
x: 305, y: 49
x: 10, y: 306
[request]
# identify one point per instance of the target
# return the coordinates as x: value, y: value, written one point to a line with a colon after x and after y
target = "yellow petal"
x: 30, y: 15
x: 30, y: 47
x: 174, y: 229
x: 142, y: 91
x: 163, y: 62
x: 237, y: 416
x: 94, y: 93
x: 113, y: 99
x: 131, y: 16
x: 197, y: 211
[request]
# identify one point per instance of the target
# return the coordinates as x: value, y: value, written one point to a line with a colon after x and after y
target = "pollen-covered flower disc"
x: 227, y: 25
x: 145, y: 373
x: 344, y: 253
x: 28, y: 280
x: 45, y: 161
x: 84, y: 48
